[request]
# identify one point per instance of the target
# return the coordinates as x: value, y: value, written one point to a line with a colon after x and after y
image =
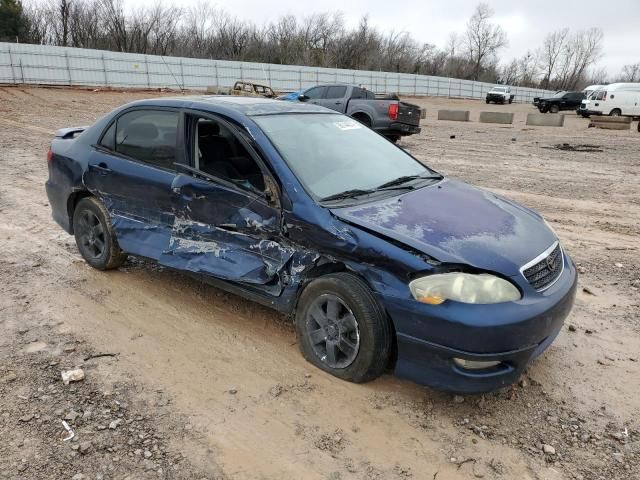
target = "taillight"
x: 393, y: 111
x: 49, y: 156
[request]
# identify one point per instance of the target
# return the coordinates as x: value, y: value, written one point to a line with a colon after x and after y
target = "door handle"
x: 338, y: 103
x: 101, y: 167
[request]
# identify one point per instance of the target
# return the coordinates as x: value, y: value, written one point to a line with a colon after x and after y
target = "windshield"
x: 558, y: 94
x: 331, y: 154
x: 499, y: 89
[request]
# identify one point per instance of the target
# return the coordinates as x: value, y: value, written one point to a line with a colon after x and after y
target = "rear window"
x: 148, y: 136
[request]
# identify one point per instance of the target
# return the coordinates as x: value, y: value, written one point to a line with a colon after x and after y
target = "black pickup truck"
x: 388, y: 115
x: 559, y: 101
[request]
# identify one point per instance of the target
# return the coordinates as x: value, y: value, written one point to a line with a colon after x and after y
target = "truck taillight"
x: 49, y: 156
x: 393, y: 111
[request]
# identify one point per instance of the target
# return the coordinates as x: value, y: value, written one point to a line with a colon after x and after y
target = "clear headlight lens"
x: 463, y: 287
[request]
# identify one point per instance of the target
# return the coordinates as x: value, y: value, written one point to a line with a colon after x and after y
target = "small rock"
x: 69, y: 348
x: 148, y: 454
x: 581, y: 270
x: 84, y: 447
x: 588, y: 291
x: 524, y: 383
x: 458, y: 399
x: 26, y: 418
x: 572, y: 328
x: 10, y: 377
x: 22, y: 467
x: 71, y: 416
x: 74, y: 375
x: 79, y: 476
x: 233, y: 390
x: 113, y: 425
x: 548, y: 449
x: 619, y: 265
x: 588, y: 332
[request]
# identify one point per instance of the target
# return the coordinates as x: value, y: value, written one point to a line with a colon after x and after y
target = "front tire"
x: 342, y: 329
x: 95, y: 237
x: 616, y: 112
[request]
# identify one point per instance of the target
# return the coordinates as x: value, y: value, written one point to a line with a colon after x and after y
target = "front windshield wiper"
x: 407, y: 178
x: 347, y: 194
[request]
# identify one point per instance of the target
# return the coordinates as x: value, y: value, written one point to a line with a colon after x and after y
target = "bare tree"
x: 552, y: 48
x: 630, y: 73
x: 483, y: 39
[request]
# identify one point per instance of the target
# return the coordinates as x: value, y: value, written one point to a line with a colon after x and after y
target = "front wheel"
x: 342, y: 329
x: 488, y: 101
x: 95, y: 237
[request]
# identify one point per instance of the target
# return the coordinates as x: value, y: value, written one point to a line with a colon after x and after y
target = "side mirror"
x: 302, y: 97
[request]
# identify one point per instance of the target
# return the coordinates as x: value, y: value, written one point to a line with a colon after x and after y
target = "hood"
x: 456, y: 223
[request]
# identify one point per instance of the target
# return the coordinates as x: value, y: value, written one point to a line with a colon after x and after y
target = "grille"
x: 543, y: 273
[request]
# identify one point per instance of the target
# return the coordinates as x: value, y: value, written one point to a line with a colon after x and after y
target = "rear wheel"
x: 95, y: 237
x: 341, y: 329
x: 616, y: 112
x: 554, y: 109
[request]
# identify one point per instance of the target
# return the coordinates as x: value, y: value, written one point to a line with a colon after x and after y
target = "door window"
x: 220, y: 153
x: 336, y: 92
x: 315, y: 93
x: 148, y: 136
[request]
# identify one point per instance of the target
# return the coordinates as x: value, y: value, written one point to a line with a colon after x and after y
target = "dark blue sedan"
x: 383, y: 263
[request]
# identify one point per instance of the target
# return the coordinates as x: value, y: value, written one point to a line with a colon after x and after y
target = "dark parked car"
x: 560, y: 101
x: 388, y: 115
x: 382, y: 262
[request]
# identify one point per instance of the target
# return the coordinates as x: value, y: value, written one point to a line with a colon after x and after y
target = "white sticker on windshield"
x: 348, y: 125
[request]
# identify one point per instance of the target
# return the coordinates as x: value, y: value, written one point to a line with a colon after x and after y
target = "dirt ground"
x: 203, y: 384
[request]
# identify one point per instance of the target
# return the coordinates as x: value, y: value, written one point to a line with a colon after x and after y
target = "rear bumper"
x: 58, y: 201
x: 430, y: 337
x: 397, y: 128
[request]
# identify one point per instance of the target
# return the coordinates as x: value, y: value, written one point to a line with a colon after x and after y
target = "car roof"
x: 250, y: 106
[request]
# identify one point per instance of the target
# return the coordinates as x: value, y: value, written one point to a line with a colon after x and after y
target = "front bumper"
x: 497, y: 98
x: 431, y: 336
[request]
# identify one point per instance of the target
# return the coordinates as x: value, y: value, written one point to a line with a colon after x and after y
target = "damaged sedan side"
x: 382, y: 262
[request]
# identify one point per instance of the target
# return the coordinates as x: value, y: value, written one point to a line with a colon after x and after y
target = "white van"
x: 615, y: 99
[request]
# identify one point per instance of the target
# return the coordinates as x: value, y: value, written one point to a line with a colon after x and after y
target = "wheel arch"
x: 363, y: 117
x: 72, y: 202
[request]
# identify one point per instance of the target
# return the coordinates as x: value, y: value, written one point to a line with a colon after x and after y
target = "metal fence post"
x: 215, y: 66
x: 269, y: 74
x: 241, y: 73
x: 181, y: 74
x: 66, y: 61
x: 146, y: 68
x: 104, y: 69
x: 21, y: 72
x: 415, y: 85
x: 13, y: 74
x: 299, y: 79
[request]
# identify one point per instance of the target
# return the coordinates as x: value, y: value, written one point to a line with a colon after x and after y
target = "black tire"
x: 510, y: 101
x: 616, y: 112
x: 95, y: 237
x: 554, y: 108
x: 543, y: 108
x: 488, y: 101
x: 394, y: 138
x: 374, y: 335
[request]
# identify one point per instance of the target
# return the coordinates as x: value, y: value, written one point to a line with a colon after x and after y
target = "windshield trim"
x: 317, y: 198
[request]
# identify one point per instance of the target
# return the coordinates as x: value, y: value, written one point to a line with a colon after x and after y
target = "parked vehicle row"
x: 383, y: 263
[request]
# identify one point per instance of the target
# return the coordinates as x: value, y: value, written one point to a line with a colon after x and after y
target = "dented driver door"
x: 224, y: 231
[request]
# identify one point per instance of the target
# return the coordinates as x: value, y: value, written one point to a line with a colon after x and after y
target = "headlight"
x: 463, y: 287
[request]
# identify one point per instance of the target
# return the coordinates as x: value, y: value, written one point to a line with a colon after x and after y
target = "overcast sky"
x: 525, y: 21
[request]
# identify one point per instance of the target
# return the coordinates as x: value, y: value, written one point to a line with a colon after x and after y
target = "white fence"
x: 47, y: 65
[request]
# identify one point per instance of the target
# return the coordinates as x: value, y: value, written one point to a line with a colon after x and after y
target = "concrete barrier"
x: 496, y: 117
x: 545, y: 119
x: 611, y: 123
x: 454, y: 115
